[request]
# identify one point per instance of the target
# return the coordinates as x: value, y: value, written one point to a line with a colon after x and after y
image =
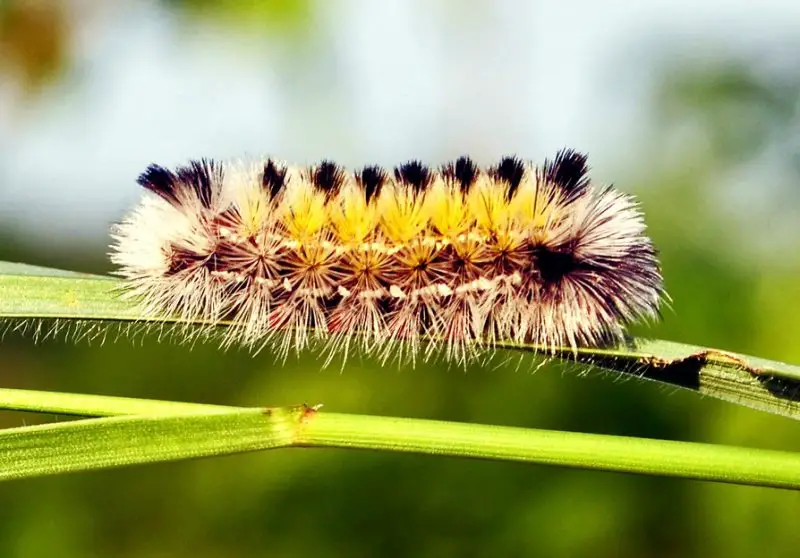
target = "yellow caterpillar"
x: 457, y: 256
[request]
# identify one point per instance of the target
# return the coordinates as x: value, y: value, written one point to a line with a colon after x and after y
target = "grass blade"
x: 82, y: 405
x: 757, y: 383
x: 36, y: 292
x: 101, y: 443
x: 90, y: 444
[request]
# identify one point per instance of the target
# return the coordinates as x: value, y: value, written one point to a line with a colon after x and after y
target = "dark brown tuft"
x: 463, y: 172
x: 274, y: 179
x: 552, y: 265
x: 568, y: 170
x: 372, y: 180
x: 510, y: 170
x: 181, y: 259
x: 160, y: 181
x: 201, y: 176
x: 328, y: 178
x: 413, y: 174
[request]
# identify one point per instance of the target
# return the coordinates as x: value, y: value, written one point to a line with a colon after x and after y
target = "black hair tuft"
x: 328, y: 177
x: 160, y: 181
x: 273, y: 179
x: 510, y: 170
x: 200, y: 177
x: 569, y: 171
x: 413, y: 174
x: 372, y: 179
x: 463, y: 172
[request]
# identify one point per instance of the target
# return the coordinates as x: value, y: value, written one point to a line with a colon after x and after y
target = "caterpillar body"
x: 448, y: 259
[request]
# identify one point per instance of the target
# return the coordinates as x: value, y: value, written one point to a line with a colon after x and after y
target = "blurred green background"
x: 693, y: 108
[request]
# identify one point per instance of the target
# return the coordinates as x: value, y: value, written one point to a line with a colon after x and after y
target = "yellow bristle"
x: 253, y: 205
x: 403, y: 213
x: 353, y: 219
x: 449, y: 213
x: 488, y: 205
x: 303, y: 209
x: 537, y: 204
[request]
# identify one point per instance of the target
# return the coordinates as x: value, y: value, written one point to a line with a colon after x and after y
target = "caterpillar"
x: 433, y: 260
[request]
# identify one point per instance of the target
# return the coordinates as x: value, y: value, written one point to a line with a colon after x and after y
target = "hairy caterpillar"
x: 456, y: 257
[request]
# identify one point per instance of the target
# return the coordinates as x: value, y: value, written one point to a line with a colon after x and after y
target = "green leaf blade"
x: 92, y: 444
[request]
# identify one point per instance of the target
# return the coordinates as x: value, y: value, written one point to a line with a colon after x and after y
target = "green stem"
x: 174, y: 431
x: 686, y: 460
